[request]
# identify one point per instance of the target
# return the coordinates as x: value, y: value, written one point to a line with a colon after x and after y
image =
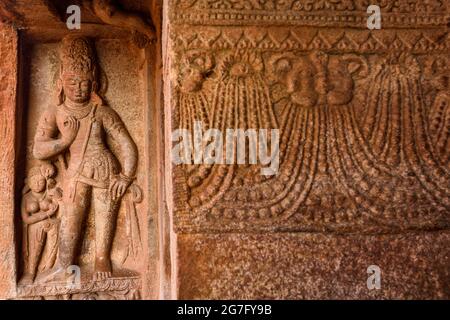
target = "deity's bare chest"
x: 90, y: 136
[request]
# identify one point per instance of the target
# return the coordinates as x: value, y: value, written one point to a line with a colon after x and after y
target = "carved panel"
x: 363, y: 115
x: 82, y: 209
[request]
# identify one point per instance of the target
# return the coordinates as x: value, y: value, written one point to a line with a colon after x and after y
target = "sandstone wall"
x: 363, y: 177
x: 8, y: 86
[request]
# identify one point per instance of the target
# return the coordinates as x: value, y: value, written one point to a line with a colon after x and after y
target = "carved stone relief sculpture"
x: 97, y: 161
x: 358, y: 118
x: 363, y: 142
x: 439, y: 112
x: 109, y: 12
x: 363, y: 119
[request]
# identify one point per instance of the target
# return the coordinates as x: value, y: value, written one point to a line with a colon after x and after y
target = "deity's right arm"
x: 46, y: 141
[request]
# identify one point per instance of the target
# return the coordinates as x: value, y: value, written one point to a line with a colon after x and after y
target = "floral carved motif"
x: 363, y: 120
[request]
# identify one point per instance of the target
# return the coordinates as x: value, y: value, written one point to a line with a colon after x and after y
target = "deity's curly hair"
x: 78, y: 55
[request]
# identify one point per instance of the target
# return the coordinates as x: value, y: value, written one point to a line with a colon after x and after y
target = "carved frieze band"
x: 297, y: 39
x: 351, y: 13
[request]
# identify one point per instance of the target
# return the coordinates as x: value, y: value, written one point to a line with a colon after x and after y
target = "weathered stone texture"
x: 313, y: 266
x: 8, y: 85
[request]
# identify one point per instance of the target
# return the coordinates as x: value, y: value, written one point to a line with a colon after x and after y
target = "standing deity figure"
x: 97, y: 155
x: 39, y: 212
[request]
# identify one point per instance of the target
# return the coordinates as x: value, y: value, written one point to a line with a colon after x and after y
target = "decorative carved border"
x: 396, y: 6
x: 225, y: 18
x: 321, y: 13
x: 346, y: 41
x: 112, y: 284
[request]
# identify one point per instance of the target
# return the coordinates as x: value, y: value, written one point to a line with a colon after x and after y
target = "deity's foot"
x: 103, y: 269
x: 56, y: 274
x: 27, y: 279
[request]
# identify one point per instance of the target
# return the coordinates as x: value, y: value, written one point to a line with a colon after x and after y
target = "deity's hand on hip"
x: 119, y: 186
x: 69, y: 129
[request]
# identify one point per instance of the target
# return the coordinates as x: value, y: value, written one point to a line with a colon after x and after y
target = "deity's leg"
x: 75, y: 211
x: 72, y: 219
x: 106, y: 211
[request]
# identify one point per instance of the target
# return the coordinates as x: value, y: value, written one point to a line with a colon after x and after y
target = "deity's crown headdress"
x: 77, y: 55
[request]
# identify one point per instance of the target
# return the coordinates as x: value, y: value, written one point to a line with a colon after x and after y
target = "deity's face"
x: 37, y: 183
x: 77, y: 87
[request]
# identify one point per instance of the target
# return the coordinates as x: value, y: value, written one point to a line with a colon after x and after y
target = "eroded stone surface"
x: 312, y: 266
x: 8, y: 85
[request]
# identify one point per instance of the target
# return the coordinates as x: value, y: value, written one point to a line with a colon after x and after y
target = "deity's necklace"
x: 78, y: 112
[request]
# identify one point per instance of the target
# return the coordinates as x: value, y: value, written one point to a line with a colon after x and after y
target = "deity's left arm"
x: 118, y: 133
